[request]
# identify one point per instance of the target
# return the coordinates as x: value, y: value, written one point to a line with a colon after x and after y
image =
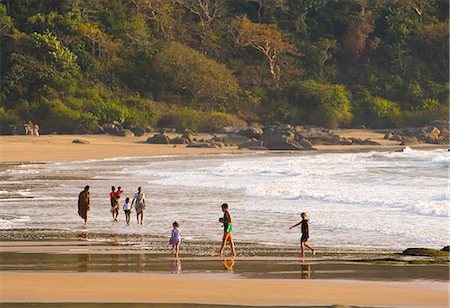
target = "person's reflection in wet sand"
x: 141, y: 263
x: 175, y: 267
x: 229, y: 264
x: 306, y: 271
x: 84, y: 262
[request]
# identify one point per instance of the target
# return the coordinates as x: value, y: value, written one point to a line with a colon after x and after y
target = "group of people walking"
x: 175, y: 239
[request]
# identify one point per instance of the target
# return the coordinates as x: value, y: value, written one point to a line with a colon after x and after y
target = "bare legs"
x: 176, y: 249
x: 141, y: 214
x: 127, y: 218
x: 227, y: 237
x: 303, y: 245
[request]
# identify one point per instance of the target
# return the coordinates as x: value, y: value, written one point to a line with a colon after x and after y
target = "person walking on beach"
x: 305, y: 234
x: 139, y: 198
x: 114, y: 203
x: 227, y: 230
x: 84, y: 201
x: 175, y: 238
x: 127, y: 209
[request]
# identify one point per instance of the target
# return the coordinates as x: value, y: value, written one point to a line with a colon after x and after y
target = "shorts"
x: 227, y: 236
x: 304, y: 238
x: 127, y: 211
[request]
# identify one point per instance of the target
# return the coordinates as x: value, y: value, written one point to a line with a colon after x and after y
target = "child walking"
x: 305, y: 234
x: 127, y: 209
x: 175, y: 239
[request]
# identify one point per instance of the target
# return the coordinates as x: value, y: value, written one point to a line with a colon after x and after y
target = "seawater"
x: 376, y: 200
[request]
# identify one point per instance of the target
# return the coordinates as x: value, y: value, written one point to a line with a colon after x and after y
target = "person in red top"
x: 119, y: 193
x: 114, y: 203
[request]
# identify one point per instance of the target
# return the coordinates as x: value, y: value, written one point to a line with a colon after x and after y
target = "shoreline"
x: 58, y: 148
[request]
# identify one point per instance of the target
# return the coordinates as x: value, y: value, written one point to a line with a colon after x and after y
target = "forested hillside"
x: 71, y: 65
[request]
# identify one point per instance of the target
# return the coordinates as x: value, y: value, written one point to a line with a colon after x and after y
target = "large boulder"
x: 409, y: 140
x: 252, y: 145
x: 441, y: 124
x: 267, y: 133
x: 138, y: 131
x: 233, y: 139
x: 306, y: 144
x: 396, y: 137
x: 110, y: 128
x: 251, y: 132
x: 283, y: 145
x: 202, y: 145
x: 388, y: 135
x: 159, y: 139
x: 181, y: 140
x: 125, y: 133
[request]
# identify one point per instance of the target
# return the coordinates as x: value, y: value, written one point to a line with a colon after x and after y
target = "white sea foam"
x: 354, y: 200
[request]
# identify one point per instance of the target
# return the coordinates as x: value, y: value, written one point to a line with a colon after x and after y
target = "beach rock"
x: 267, y: 133
x: 149, y: 129
x: 369, y: 142
x: 181, y: 140
x: 441, y: 124
x: 80, y: 141
x: 283, y: 144
x: 305, y: 143
x: 251, y: 132
x: 234, y: 139
x: 446, y: 248
x: 159, y: 139
x: 229, y: 130
x: 388, y: 135
x: 396, y: 137
x: 409, y: 140
x: 117, y: 125
x: 444, y: 132
x: 441, y: 140
x: 346, y: 141
x: 166, y: 130
x: 110, y: 128
x: 99, y: 130
x: 202, y: 145
x: 251, y: 144
x: 412, y: 131
x: 138, y: 131
x: 125, y: 133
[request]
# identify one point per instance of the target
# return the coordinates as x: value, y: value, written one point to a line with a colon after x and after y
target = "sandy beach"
x: 61, y: 148
x: 81, y: 270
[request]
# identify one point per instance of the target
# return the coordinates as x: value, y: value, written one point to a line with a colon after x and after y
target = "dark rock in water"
x: 80, y: 141
x: 125, y: 133
x: 425, y: 252
x: 283, y: 145
x: 159, y: 139
x: 306, y: 144
x: 446, y: 248
x: 251, y: 132
x: 138, y: 131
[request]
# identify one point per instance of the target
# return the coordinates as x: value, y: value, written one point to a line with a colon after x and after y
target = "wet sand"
x: 215, y: 289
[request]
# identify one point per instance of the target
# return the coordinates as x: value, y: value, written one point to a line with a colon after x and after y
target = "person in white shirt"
x: 139, y: 198
x: 127, y: 209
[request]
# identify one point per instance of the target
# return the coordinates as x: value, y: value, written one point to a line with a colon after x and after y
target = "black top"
x: 305, y: 229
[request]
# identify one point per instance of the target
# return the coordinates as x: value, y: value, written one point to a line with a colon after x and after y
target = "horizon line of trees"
x: 71, y: 65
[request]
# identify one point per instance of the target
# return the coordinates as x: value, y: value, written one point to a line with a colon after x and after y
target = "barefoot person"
x: 114, y: 203
x: 175, y: 238
x: 227, y: 230
x: 305, y: 234
x: 139, y: 198
x: 127, y: 210
x: 84, y: 201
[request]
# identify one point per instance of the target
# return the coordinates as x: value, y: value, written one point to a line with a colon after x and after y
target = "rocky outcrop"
x: 138, y: 131
x: 125, y: 133
x: 251, y: 132
x: 435, y: 132
x: 283, y: 145
x: 159, y: 139
x: 253, y: 145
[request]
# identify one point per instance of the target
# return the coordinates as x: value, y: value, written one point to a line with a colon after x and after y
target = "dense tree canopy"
x: 71, y: 64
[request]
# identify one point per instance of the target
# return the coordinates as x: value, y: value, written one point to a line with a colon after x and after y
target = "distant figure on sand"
x: 305, y: 234
x: 127, y: 209
x: 84, y: 201
x: 139, y: 198
x: 175, y: 238
x: 114, y: 203
x: 227, y: 230
x: 35, y: 129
